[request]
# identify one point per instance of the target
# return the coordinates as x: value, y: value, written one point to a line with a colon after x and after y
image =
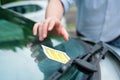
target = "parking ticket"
x: 56, y: 54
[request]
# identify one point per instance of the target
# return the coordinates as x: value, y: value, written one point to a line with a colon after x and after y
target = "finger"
x: 35, y: 28
x: 45, y: 29
x: 40, y: 31
x: 64, y: 34
x: 51, y: 25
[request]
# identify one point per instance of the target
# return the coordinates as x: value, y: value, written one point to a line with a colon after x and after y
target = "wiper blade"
x: 83, y: 63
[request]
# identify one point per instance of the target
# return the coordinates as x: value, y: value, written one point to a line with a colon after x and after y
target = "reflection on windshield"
x: 12, y: 35
x: 15, y: 31
x: 15, y: 57
x: 10, y: 31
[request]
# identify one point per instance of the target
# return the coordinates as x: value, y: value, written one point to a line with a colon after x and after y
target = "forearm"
x: 54, y: 9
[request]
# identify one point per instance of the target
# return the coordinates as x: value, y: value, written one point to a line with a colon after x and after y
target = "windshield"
x: 16, y: 31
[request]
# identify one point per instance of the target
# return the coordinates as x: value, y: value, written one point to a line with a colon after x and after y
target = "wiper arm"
x: 84, y: 63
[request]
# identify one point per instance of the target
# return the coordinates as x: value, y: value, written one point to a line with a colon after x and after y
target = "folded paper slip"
x: 55, y: 54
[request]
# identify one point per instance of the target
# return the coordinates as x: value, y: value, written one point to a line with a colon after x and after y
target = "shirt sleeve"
x: 67, y: 4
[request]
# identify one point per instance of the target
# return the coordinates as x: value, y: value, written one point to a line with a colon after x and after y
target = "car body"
x: 17, y: 45
x: 34, y: 10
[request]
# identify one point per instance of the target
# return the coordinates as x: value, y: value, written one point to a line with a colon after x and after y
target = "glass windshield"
x: 16, y: 31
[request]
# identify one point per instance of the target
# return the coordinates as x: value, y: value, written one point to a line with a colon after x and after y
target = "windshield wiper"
x: 84, y: 63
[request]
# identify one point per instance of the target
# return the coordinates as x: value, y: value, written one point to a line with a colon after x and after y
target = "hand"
x: 50, y: 25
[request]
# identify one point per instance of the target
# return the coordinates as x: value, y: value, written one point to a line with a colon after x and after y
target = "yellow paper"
x: 56, y: 54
